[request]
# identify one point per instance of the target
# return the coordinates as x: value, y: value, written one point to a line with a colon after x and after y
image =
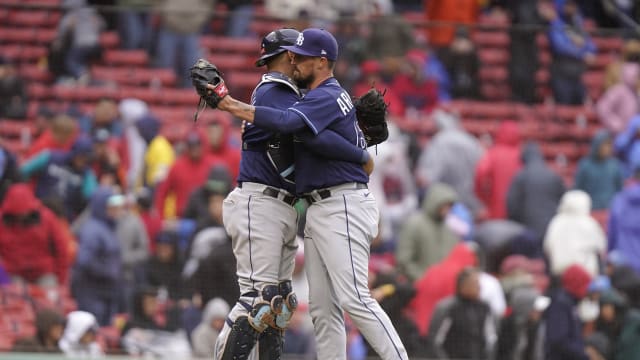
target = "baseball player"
x: 260, y: 217
x: 342, y: 218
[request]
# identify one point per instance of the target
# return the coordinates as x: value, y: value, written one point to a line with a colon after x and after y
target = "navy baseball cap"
x: 315, y: 42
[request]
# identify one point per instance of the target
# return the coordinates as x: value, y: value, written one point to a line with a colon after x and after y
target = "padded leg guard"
x: 290, y: 305
x: 270, y: 344
x: 265, y: 311
x: 242, y: 338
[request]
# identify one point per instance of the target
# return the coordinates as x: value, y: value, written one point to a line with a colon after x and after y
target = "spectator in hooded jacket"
x: 96, y: 278
x: 620, y: 102
x: 32, y: 245
x: 66, y: 175
x: 464, y: 11
x: 463, y: 319
x: 219, y: 180
x: 534, y: 193
x: 188, y: 172
x: 627, y: 146
x: 571, y: 50
x: 49, y: 328
x: 451, y: 157
x: 497, y: 168
x: 203, y: 338
x: 573, y: 236
x: 221, y: 146
x: 624, y: 227
x: 416, y: 91
x: 564, y: 339
x: 599, y: 173
x: 159, y: 154
x: 163, y: 270
x: 425, y: 238
x: 132, y: 147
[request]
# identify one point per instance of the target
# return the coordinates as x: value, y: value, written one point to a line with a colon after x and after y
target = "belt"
x: 322, y: 194
x: 271, y: 191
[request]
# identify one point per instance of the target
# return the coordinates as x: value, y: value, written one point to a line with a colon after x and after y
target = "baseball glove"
x: 371, y: 112
x: 204, y: 73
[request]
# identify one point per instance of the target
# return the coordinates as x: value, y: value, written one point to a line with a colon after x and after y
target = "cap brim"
x: 296, y: 50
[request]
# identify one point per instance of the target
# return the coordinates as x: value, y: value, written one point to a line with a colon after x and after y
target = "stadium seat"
x: 46, y: 36
x: 493, y: 56
x: 29, y: 18
x: 492, y: 39
x: 109, y: 40
x: 126, y: 57
x: 227, y: 45
x: 34, y: 73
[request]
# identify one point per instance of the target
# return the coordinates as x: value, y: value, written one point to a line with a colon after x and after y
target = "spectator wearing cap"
x: 188, y: 172
x: 218, y: 182
x: 49, y: 328
x: 521, y: 334
x: 164, y: 268
x: 573, y: 236
x: 413, y: 87
x: 564, y: 338
x: 64, y: 175
x: 620, y: 323
x: 33, y: 248
x: 158, y: 155
x: 600, y: 173
x: 13, y: 92
x: 371, y: 76
x: 80, y: 335
x: 97, y: 273
x: 624, y: 228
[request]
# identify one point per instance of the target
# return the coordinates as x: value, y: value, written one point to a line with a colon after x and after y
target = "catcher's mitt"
x: 371, y: 112
x: 204, y: 73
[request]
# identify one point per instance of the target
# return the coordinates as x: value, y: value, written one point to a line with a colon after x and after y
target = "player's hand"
x: 368, y: 166
x: 223, y: 98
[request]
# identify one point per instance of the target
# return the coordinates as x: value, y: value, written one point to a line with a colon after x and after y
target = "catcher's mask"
x: 272, y: 44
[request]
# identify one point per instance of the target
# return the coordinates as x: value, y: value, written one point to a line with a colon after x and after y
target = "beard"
x: 303, y: 82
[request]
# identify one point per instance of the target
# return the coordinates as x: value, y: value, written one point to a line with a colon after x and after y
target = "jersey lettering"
x: 344, y: 102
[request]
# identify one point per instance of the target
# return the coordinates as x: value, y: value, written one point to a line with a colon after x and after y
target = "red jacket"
x: 225, y: 152
x: 31, y: 251
x: 496, y: 169
x: 46, y: 141
x: 422, y: 96
x: 438, y: 282
x: 458, y: 11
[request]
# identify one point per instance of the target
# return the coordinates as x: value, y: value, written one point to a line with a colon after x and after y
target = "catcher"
x: 342, y: 217
x: 263, y: 201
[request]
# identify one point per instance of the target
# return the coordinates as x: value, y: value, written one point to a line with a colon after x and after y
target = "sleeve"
x: 439, y: 335
x: 140, y: 250
x: 283, y: 121
x: 559, y: 334
x: 317, y: 110
x: 515, y: 198
x: 90, y: 184
x: 483, y: 180
x: 331, y: 145
x: 405, y: 251
x: 87, y: 259
x: 562, y: 44
x: 35, y: 164
x: 606, y: 109
x: 162, y: 190
x: 612, y: 224
x: 62, y: 250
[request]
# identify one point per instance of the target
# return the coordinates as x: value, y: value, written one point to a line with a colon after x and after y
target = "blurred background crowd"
x: 509, y: 188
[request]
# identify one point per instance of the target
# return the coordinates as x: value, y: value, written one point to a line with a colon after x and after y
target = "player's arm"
x: 283, y: 121
x: 331, y: 145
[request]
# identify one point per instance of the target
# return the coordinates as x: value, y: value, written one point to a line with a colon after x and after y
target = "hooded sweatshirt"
x: 534, y: 193
x: 573, y: 236
x: 600, y: 178
x: 33, y: 250
x: 425, y: 239
x: 439, y: 282
x: 620, y: 102
x: 497, y: 168
x: 226, y: 152
x: 203, y: 337
x: 624, y: 225
x: 98, y: 262
x: 78, y: 323
x: 451, y: 158
x: 159, y: 154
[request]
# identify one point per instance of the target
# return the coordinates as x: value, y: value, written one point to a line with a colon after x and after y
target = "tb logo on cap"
x: 300, y: 39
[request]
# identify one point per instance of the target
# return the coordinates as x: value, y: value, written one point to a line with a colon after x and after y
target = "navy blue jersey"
x: 327, y: 107
x: 255, y: 166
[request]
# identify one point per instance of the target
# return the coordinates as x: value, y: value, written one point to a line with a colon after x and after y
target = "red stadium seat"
x: 46, y: 36
x: 226, y: 45
x: 126, y: 57
x: 495, y: 39
x: 493, y: 56
x: 109, y: 40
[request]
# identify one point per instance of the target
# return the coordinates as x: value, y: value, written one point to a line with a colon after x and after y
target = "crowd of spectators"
x: 484, y: 251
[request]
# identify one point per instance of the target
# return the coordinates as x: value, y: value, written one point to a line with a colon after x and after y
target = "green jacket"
x: 425, y: 239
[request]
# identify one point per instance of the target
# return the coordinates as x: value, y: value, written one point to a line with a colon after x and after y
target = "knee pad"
x: 270, y: 344
x: 265, y: 311
x: 242, y: 338
x: 290, y: 301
